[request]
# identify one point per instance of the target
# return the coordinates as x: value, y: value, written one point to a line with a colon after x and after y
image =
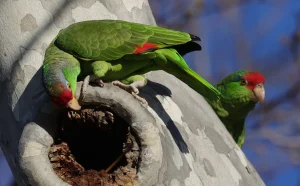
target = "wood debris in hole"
x: 68, y: 169
x: 93, y: 117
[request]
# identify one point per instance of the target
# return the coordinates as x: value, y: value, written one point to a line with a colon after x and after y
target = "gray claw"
x: 131, y: 89
x: 140, y: 99
x: 100, y: 83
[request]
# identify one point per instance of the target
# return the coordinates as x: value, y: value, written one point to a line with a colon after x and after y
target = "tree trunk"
x: 182, y: 140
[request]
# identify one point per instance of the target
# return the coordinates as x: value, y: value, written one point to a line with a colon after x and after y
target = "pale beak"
x: 73, y: 104
x: 258, y: 93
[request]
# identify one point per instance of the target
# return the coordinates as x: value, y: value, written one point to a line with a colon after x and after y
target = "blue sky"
x: 5, y: 173
x: 254, y: 36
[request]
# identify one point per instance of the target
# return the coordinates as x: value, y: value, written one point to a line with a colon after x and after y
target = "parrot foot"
x: 132, y: 89
x: 140, y: 99
x: 85, y: 84
x: 99, y: 82
x: 129, y: 88
x: 96, y: 80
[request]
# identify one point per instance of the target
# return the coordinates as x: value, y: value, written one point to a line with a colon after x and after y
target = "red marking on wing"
x: 145, y: 47
x: 254, y: 78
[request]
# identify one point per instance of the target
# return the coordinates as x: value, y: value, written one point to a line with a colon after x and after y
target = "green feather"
x: 59, y: 65
x: 107, y: 40
x: 236, y: 100
x: 105, y: 49
x: 181, y: 70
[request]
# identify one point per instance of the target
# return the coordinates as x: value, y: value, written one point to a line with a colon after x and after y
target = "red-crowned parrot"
x: 121, y: 52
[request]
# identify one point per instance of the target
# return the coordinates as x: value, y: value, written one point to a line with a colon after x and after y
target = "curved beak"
x: 73, y: 104
x: 259, y: 93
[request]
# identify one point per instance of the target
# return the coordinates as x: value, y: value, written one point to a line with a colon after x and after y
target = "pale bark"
x: 183, y: 141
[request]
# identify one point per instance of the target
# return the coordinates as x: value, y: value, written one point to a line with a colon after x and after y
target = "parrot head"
x: 62, y: 89
x: 243, y: 87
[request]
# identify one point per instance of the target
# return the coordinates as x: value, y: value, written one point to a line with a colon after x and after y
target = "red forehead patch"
x: 63, y: 98
x: 254, y: 78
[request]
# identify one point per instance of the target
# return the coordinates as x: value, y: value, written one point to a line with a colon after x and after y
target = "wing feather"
x: 112, y: 39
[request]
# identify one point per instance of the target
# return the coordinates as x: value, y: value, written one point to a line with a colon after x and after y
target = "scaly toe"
x: 140, y: 99
x: 116, y: 83
x: 100, y: 83
x: 128, y: 88
x: 133, y: 89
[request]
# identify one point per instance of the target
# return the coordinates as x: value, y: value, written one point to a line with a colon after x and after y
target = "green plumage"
x: 106, y: 50
x: 108, y: 40
x: 59, y: 65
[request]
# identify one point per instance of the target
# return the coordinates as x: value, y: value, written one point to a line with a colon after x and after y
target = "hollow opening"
x: 89, y: 141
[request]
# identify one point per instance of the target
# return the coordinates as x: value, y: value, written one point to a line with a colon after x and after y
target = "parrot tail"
x: 182, y: 71
x: 189, y: 46
x: 194, y: 38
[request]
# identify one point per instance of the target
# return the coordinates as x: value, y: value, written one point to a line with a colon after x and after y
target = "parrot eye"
x: 244, y: 82
x: 68, y: 85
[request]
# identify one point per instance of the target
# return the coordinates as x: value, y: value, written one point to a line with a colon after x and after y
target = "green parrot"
x: 238, y: 94
x: 113, y: 51
x: 121, y: 52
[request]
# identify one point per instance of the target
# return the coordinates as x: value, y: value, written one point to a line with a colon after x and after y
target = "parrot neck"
x: 59, y: 67
x: 52, y: 73
x: 60, y: 74
x: 236, y: 100
x: 237, y: 109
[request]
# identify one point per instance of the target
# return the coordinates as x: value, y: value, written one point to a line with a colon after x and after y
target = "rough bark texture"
x: 183, y: 142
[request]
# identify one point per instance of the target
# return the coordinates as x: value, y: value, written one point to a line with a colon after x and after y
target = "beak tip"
x: 259, y: 94
x: 74, y: 105
x: 77, y: 108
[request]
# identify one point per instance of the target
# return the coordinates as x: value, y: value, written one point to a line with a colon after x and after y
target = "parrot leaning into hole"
x: 121, y: 52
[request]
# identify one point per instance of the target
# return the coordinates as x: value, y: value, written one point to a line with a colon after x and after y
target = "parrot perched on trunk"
x: 121, y: 52
x: 238, y: 94
x: 112, y: 50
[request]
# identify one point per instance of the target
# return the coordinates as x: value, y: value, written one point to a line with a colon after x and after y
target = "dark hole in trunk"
x: 94, y: 147
x: 88, y: 142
